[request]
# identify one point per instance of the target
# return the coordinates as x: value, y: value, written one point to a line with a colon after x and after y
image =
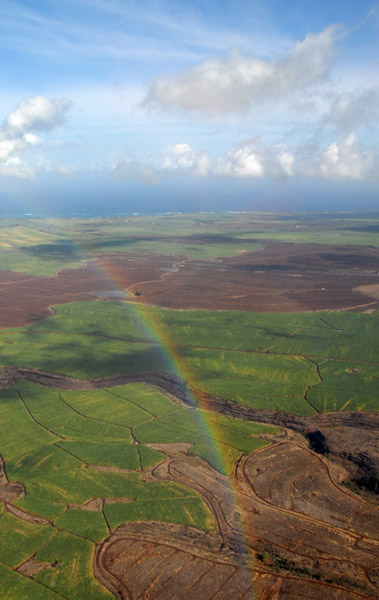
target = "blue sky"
x: 115, y: 105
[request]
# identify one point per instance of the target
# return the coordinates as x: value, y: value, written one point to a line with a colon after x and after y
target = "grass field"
x: 42, y: 264
x: 27, y: 248
x: 82, y: 456
x: 43, y: 246
x: 67, y: 448
x: 258, y: 360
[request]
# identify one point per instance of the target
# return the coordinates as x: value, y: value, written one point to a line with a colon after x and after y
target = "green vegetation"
x: 69, y: 447
x: 42, y: 263
x: 25, y: 248
x: 15, y: 586
x: 73, y: 574
x: 186, y: 511
x: 367, y: 483
x: 118, y: 454
x: 298, y: 363
x: 19, y: 539
x: 83, y: 523
x: 41, y: 247
x: 82, y: 455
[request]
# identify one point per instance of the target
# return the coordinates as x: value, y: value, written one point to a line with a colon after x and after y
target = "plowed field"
x: 278, y: 278
x: 287, y: 531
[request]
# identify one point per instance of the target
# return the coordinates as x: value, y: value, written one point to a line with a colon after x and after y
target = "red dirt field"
x: 278, y: 278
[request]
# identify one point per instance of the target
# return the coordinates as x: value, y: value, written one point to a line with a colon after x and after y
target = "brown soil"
x: 109, y: 469
x: 286, y: 547
x: 32, y: 567
x: 26, y: 516
x: 369, y: 290
x: 172, y: 450
x: 278, y: 278
x: 154, y: 560
x: 9, y: 490
x: 93, y: 505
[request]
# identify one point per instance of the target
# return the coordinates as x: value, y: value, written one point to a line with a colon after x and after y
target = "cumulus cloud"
x: 14, y: 167
x: 344, y: 158
x: 36, y: 114
x: 348, y: 159
x: 350, y: 111
x: 220, y: 86
x: 253, y: 159
x: 181, y: 157
x: 17, y: 133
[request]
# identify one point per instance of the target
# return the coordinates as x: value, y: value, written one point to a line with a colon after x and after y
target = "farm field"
x: 301, y: 363
x: 189, y: 392
x: 81, y: 473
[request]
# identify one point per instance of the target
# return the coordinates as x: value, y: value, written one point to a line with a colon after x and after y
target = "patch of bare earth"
x: 172, y: 450
x: 278, y: 278
x: 330, y: 551
x: 108, y: 469
x: 32, y: 567
x: 156, y: 560
x: 93, y: 505
x: 369, y: 290
x: 26, y: 516
x: 9, y: 491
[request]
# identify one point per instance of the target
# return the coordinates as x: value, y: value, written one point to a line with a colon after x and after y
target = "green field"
x: 70, y: 447
x: 83, y: 456
x: 258, y: 360
x: 43, y: 246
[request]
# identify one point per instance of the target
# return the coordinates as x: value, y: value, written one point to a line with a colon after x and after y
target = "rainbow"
x: 159, y: 335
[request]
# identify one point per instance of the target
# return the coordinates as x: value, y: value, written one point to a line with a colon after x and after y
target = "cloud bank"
x: 220, y: 86
x: 344, y: 159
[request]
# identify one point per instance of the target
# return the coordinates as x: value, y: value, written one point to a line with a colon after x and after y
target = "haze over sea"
x: 107, y: 199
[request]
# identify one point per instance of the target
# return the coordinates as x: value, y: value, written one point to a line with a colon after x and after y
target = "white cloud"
x: 348, y: 159
x: 36, y: 114
x: 9, y: 147
x: 15, y: 168
x: 342, y: 159
x: 30, y: 115
x: 252, y: 159
x: 345, y: 158
x: 243, y: 161
x: 234, y: 84
x: 31, y: 139
x: 349, y: 111
x: 181, y: 157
